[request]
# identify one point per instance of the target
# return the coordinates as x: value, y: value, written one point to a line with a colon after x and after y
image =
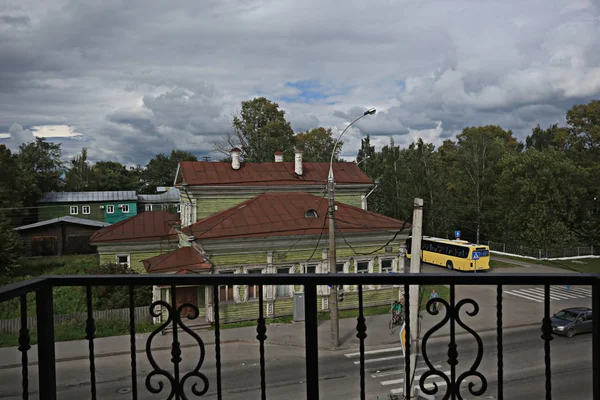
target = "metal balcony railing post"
x: 45, y: 328
x: 311, y: 342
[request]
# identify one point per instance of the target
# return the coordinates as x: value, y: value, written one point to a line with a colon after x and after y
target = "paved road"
x: 339, y: 371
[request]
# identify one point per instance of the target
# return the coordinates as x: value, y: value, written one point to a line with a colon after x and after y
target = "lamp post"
x: 333, y: 298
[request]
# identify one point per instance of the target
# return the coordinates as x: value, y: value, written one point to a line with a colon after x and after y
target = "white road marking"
x: 388, y: 350
x: 373, y: 360
x: 399, y: 372
x: 515, y: 293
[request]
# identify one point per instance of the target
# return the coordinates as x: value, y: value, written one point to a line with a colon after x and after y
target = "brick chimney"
x: 298, y: 162
x: 235, y: 158
x: 278, y: 156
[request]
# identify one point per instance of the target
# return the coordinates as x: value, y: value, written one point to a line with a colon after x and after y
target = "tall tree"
x: 317, y: 145
x: 479, y: 151
x: 79, y: 177
x: 259, y: 130
x: 10, y: 195
x: 554, y: 137
x: 161, y: 169
x: 10, y: 246
x: 112, y: 175
x: 540, y: 193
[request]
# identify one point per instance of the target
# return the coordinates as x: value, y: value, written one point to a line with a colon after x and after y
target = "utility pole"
x: 415, y: 268
x: 333, y: 299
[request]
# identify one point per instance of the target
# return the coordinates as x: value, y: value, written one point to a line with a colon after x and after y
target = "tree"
x: 259, y: 130
x: 10, y: 246
x: 80, y: 176
x: 10, y: 195
x: 539, y: 194
x: 112, y: 175
x: 553, y: 137
x: 317, y: 145
x: 161, y: 169
x: 479, y: 150
x: 41, y: 171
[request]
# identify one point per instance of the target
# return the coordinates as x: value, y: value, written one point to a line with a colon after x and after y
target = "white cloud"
x: 140, y: 77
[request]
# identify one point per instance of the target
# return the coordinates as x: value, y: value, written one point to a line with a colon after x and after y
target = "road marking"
x: 583, y: 291
x: 399, y: 372
x: 514, y: 293
x: 553, y: 294
x: 538, y: 295
x: 556, y: 292
x: 388, y: 350
x: 567, y: 292
x: 372, y: 360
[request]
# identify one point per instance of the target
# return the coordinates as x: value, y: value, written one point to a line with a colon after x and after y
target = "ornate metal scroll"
x: 453, y: 383
x: 177, y: 385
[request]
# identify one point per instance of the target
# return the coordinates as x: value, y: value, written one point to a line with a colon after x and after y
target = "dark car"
x: 572, y: 321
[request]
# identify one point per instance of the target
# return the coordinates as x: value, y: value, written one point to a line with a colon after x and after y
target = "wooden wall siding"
x: 135, y: 259
x: 353, y: 199
x: 141, y: 315
x: 225, y: 260
x: 61, y: 231
x: 207, y: 206
x: 54, y: 210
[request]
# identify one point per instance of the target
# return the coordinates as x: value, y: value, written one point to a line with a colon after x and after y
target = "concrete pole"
x: 333, y: 298
x: 415, y: 268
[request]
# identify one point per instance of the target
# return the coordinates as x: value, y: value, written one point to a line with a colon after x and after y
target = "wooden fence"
x: 141, y: 315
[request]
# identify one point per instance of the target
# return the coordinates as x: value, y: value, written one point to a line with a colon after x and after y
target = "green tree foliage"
x: 554, y: 137
x: 10, y: 191
x: 161, y: 169
x: 112, y: 175
x: 317, y: 145
x: 540, y: 194
x: 10, y: 244
x: 114, y: 297
x: 80, y: 176
x: 259, y: 130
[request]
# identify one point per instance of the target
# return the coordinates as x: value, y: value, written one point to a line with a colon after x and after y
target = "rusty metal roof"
x: 182, y: 259
x: 284, y: 214
x: 269, y: 173
x: 84, y: 197
x: 148, y: 226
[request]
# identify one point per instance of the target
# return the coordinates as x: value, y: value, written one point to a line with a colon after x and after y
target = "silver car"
x: 572, y: 321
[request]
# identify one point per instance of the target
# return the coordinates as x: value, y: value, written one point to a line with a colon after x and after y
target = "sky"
x: 133, y: 78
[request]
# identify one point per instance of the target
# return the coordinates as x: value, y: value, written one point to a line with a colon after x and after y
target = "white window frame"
x: 306, y: 266
x: 110, y: 209
x: 227, y: 299
x: 369, y: 267
x: 393, y: 267
x: 124, y: 208
x: 254, y: 271
x: 128, y: 263
x: 290, y: 288
x: 74, y: 210
x: 178, y: 208
x: 86, y: 208
x: 147, y: 207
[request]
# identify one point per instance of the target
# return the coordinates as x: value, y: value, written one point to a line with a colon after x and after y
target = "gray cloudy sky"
x: 129, y: 79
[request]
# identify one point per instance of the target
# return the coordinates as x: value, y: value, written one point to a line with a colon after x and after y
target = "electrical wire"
x: 376, y: 250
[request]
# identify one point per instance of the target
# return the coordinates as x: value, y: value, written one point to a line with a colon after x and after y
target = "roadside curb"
x: 267, y: 343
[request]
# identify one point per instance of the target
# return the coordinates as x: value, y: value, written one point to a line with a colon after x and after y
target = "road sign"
x: 475, y: 255
x: 457, y: 234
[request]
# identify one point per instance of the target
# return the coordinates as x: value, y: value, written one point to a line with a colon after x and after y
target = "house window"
x: 310, y: 269
x: 178, y: 207
x: 148, y: 207
x: 339, y: 268
x: 253, y: 290
x: 110, y: 209
x: 226, y: 291
x: 124, y: 208
x: 74, y: 210
x: 362, y: 267
x: 85, y: 210
x: 387, y: 266
x: 123, y: 259
x: 283, y: 290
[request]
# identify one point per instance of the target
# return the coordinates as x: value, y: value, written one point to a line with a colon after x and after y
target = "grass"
x: 584, y: 265
x: 501, y: 264
x: 75, y: 330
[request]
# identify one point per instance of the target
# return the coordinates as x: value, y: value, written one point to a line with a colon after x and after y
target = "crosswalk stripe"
x: 427, y: 385
x: 399, y: 372
x: 514, y: 293
x: 373, y: 360
x: 541, y: 296
x: 401, y: 380
x: 567, y: 292
x: 581, y: 290
x: 553, y: 293
x: 388, y: 350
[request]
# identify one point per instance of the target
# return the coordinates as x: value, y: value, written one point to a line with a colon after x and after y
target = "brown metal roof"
x: 284, y: 214
x: 182, y: 259
x: 145, y: 227
x: 268, y: 173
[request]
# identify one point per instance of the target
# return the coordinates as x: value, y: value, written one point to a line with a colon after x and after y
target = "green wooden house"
x: 108, y: 206
x: 167, y: 199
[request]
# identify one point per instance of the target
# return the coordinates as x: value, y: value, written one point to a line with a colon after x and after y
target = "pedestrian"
x: 432, y: 296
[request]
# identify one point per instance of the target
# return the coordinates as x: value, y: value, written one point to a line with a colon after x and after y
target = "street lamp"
x: 333, y: 298
x: 364, y: 159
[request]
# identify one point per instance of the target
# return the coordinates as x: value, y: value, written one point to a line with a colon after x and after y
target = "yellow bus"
x: 452, y: 254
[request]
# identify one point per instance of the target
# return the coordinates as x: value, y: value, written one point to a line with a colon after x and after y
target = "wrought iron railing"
x: 43, y: 289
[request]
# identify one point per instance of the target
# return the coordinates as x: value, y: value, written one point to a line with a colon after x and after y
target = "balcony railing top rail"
x: 175, y: 381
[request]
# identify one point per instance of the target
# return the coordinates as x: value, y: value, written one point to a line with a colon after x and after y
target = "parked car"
x: 572, y: 321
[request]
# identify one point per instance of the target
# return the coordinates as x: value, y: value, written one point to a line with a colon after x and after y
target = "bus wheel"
x: 449, y: 265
